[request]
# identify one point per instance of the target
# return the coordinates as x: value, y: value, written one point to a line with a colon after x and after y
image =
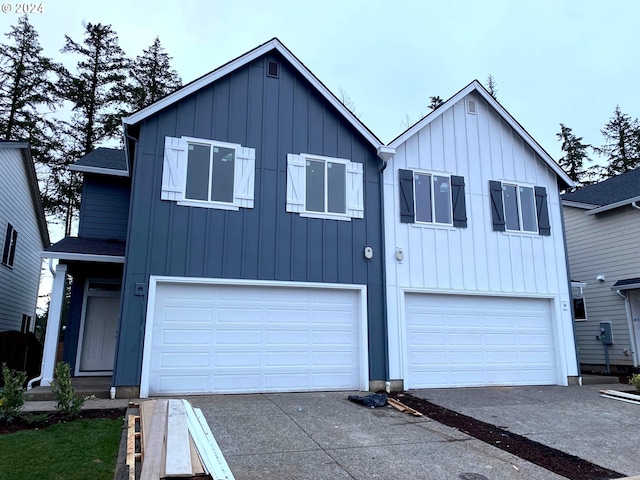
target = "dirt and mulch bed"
x: 39, y: 420
x: 558, y: 462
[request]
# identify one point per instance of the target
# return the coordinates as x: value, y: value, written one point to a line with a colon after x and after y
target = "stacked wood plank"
x: 622, y: 396
x: 171, y: 439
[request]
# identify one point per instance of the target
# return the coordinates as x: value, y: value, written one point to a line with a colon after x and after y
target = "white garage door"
x: 455, y: 341
x: 238, y: 339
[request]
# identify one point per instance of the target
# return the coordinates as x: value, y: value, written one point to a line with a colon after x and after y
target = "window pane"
x: 578, y: 309
x: 337, y: 187
x: 511, y: 207
x: 198, y: 172
x: 442, y: 198
x: 528, y: 207
x: 423, y: 197
x: 223, y: 174
x: 315, y: 186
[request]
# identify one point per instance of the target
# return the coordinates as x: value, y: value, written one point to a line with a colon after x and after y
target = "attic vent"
x: 471, y: 106
x: 272, y: 69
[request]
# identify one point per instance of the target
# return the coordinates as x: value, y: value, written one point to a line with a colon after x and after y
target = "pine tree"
x: 25, y: 82
x: 97, y: 93
x: 152, y: 75
x: 435, y: 102
x: 29, y: 94
x: 575, y: 155
x: 622, y: 146
x: 492, y: 86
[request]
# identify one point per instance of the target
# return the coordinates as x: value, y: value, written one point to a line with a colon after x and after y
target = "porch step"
x: 599, y: 379
x: 83, y: 386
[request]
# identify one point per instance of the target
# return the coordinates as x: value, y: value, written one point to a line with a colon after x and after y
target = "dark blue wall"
x: 276, y: 116
x: 104, y: 212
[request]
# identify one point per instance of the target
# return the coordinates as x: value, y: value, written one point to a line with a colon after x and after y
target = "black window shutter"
x: 7, y: 245
x: 542, y: 210
x: 12, y: 250
x: 497, y: 210
x: 458, y: 201
x: 407, y: 210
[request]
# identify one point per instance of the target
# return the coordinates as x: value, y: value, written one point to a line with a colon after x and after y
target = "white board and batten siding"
x: 603, y: 244
x: 18, y: 285
x: 450, y: 267
x: 233, y: 336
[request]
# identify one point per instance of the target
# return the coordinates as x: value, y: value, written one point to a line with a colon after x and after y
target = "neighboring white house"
x: 23, y: 235
x: 602, y: 222
x: 477, y: 283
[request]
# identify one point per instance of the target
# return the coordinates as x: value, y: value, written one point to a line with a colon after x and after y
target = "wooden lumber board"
x: 155, y: 443
x: 222, y: 470
x: 146, y: 414
x: 131, y: 446
x: 178, y: 456
x: 403, y: 408
x: 616, y: 393
x: 615, y: 397
x: 212, y: 458
x: 196, y: 463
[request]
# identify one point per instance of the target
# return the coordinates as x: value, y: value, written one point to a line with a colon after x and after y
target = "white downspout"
x: 635, y: 205
x: 632, y: 337
x: 39, y: 377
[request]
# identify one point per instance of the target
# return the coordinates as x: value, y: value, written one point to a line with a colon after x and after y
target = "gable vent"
x: 273, y: 69
x: 471, y: 106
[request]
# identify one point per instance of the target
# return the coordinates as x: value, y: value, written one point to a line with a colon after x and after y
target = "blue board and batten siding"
x: 275, y: 116
x: 105, y: 207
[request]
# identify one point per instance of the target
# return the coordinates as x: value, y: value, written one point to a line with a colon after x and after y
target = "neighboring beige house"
x: 23, y: 235
x: 602, y: 223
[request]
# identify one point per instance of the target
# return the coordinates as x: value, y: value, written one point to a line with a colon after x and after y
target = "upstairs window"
x: 430, y: 198
x: 207, y: 173
x: 519, y: 208
x: 324, y: 187
x: 9, y: 249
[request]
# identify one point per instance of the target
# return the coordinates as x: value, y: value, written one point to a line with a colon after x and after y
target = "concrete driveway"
x: 575, y: 420
x: 324, y: 436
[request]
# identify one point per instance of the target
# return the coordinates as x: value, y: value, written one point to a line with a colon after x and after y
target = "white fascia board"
x: 611, y: 206
x: 99, y: 171
x: 506, y: 116
x: 239, y: 62
x: 584, y: 206
x: 83, y: 257
x: 630, y: 286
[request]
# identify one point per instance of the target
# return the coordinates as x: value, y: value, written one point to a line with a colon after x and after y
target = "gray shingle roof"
x: 109, y: 158
x: 612, y: 190
x: 89, y: 246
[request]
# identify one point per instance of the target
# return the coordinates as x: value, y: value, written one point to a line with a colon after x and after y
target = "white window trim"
x: 433, y: 205
x: 174, y: 189
x: 504, y: 208
x: 297, y: 189
x: 191, y: 202
x: 326, y: 214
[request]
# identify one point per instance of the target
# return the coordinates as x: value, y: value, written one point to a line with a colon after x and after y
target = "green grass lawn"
x: 82, y: 449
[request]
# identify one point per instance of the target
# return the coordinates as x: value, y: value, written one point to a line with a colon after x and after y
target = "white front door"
x: 98, y: 339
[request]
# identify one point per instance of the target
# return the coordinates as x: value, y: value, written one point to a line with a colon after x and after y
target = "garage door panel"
x: 457, y: 340
x: 257, y: 339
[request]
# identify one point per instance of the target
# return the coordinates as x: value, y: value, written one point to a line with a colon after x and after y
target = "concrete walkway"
x: 325, y: 436
x: 575, y: 420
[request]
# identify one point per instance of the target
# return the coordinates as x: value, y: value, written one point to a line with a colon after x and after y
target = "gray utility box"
x: 606, y: 333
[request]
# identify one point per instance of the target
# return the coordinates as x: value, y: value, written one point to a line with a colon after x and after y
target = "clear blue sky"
x: 556, y: 61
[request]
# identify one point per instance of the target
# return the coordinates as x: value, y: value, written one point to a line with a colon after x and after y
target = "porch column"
x: 53, y: 326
